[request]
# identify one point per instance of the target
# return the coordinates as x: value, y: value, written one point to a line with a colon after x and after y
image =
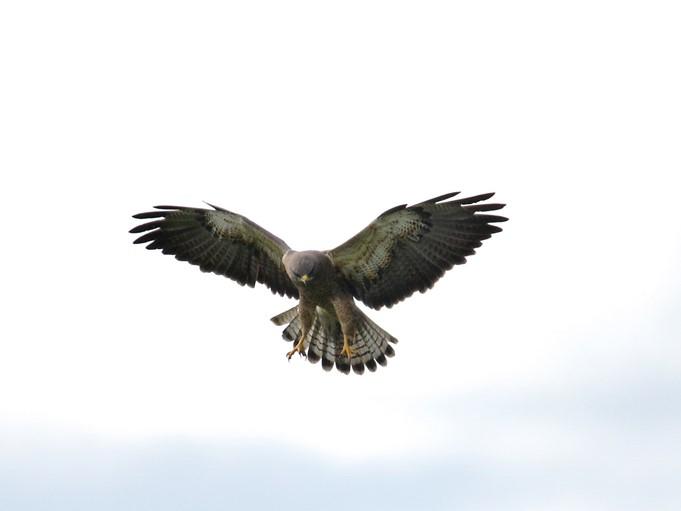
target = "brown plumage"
x: 404, y: 250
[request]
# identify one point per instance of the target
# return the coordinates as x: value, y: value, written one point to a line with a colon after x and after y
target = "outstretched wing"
x: 407, y: 249
x: 218, y: 241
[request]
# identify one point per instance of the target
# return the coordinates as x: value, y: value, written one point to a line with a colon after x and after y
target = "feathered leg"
x: 345, y: 312
x: 306, y: 312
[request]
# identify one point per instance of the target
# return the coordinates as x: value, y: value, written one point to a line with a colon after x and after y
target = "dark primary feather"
x: 407, y: 249
x: 218, y: 241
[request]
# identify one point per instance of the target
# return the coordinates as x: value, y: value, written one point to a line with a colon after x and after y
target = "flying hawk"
x: 404, y: 250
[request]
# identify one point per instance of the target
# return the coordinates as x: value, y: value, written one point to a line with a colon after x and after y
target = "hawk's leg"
x: 346, y: 312
x: 306, y: 312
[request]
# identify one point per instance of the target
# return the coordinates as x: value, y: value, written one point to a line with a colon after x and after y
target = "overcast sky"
x: 542, y: 375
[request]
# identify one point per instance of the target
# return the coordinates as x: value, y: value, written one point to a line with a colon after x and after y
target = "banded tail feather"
x: 324, y: 341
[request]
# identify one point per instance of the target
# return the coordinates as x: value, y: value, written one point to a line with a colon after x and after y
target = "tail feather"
x: 285, y: 317
x: 324, y: 341
x: 292, y: 331
x: 315, y: 332
x: 313, y: 351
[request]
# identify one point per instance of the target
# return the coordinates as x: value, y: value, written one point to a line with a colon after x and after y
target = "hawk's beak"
x: 305, y: 278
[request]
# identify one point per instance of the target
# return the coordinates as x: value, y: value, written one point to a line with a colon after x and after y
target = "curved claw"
x: 298, y: 347
x: 347, y: 351
x: 294, y: 351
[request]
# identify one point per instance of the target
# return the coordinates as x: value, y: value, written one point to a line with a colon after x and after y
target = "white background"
x: 543, y: 374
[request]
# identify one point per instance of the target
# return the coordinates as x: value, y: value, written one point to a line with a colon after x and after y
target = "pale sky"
x: 543, y: 374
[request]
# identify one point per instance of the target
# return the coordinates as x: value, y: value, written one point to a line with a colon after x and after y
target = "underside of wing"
x: 218, y: 241
x: 408, y: 248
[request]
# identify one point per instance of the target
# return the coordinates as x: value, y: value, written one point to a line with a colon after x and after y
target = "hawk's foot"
x: 298, y: 348
x: 347, y: 350
x: 294, y: 351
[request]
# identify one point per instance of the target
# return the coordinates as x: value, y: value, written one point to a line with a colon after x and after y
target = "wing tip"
x: 148, y: 214
x: 441, y: 198
x: 475, y: 198
x: 166, y: 206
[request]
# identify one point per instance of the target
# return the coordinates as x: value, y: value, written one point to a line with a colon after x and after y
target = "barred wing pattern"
x: 408, y: 248
x: 220, y: 242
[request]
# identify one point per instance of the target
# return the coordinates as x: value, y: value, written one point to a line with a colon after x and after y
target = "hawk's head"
x: 302, y: 267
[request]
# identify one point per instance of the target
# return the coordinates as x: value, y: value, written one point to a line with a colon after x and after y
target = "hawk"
x: 406, y: 249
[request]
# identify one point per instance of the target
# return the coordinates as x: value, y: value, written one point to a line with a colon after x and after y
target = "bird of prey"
x: 406, y: 249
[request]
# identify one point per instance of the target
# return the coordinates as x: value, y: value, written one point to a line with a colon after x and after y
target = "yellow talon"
x: 347, y: 350
x: 298, y: 348
x: 294, y: 351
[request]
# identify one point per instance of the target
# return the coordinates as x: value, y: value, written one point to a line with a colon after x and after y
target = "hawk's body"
x: 326, y: 319
x: 406, y: 249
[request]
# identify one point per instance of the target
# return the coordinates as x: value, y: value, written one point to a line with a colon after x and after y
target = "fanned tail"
x: 371, y: 345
